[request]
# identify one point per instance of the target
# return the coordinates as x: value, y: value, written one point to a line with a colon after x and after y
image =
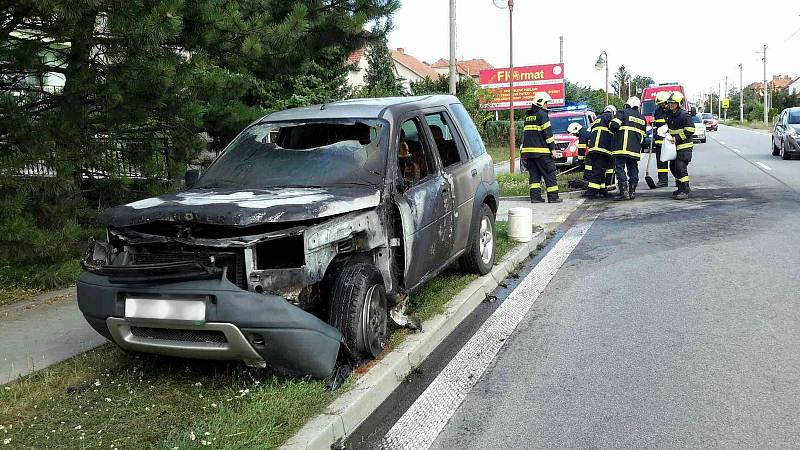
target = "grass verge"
x: 517, y: 184
x: 750, y: 124
x: 106, y: 398
x: 499, y: 154
x: 18, y: 283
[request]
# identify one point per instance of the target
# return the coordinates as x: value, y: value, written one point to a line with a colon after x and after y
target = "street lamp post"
x: 741, y: 96
x: 602, y: 61
x: 512, y: 144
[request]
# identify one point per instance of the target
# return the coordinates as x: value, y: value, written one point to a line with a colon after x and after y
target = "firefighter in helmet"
x: 659, y: 120
x: 537, y: 150
x: 599, y: 153
x: 629, y: 130
x: 681, y: 130
x: 577, y: 130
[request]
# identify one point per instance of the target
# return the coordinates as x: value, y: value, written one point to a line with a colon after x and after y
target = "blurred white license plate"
x: 559, y: 154
x: 171, y: 309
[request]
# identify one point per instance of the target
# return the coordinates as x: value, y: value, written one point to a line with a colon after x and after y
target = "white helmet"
x: 541, y: 99
x: 633, y: 102
x: 574, y: 128
x: 611, y: 108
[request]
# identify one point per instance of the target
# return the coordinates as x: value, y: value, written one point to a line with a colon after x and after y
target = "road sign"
x: 528, y: 80
x: 726, y: 103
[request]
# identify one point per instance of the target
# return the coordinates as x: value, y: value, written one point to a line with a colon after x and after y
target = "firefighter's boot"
x: 552, y: 197
x: 590, y: 194
x: 623, y: 192
x: 631, y: 191
x: 536, y: 196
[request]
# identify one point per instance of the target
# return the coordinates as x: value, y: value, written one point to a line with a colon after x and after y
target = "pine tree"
x: 380, y: 80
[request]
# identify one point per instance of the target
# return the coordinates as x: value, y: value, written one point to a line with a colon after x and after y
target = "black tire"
x: 782, y: 152
x: 359, y: 310
x: 775, y: 150
x: 704, y: 140
x: 475, y: 258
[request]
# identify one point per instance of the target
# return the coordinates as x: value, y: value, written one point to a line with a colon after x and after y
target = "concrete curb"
x: 347, y: 412
x: 571, y: 195
x: 38, y: 300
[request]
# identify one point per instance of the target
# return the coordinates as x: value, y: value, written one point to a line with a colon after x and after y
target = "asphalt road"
x: 670, y: 324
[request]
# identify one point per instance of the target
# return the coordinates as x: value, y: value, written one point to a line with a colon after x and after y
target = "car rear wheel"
x: 359, y: 310
x: 480, y: 254
x: 704, y: 140
x: 775, y: 150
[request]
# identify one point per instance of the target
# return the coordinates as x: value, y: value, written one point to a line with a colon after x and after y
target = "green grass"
x: 756, y: 125
x: 106, y: 398
x: 517, y: 184
x: 499, y: 154
x: 18, y: 283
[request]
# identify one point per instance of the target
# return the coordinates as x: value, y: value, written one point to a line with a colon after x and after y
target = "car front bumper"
x: 239, y: 325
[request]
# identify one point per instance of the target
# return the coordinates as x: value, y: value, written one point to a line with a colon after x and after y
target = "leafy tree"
x: 468, y: 92
x: 620, y: 81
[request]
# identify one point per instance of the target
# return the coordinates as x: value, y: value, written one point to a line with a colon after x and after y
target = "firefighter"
x: 629, y: 130
x: 681, y: 129
x: 659, y: 120
x: 577, y: 130
x: 599, y: 153
x: 537, y: 150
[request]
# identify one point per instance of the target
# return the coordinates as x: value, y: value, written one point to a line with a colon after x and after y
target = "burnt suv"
x: 299, y: 241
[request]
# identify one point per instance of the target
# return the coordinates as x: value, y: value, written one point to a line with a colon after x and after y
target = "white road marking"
x: 721, y: 142
x: 763, y: 166
x: 736, y: 150
x: 427, y: 417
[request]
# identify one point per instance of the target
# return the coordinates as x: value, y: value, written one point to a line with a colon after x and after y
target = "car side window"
x: 471, y: 134
x: 414, y: 158
x: 451, y: 150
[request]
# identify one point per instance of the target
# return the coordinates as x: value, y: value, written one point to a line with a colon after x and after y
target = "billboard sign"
x: 528, y: 80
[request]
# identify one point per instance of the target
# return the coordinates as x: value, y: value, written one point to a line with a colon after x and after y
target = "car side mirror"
x: 191, y: 177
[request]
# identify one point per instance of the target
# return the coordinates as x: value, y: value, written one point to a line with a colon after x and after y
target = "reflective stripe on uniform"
x: 617, y: 120
x: 582, y: 146
x: 610, y: 171
x: 544, y: 150
x: 684, y: 179
x: 686, y: 146
x: 555, y: 188
x: 600, y: 150
x: 536, y: 185
x: 663, y: 170
x: 550, y: 140
x: 594, y: 186
x: 626, y: 153
x: 581, y: 158
x: 633, y: 129
x: 637, y: 120
x: 587, y: 167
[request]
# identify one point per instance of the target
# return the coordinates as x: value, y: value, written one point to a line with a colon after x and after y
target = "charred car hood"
x: 243, y: 207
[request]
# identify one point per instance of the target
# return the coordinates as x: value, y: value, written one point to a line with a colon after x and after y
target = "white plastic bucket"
x: 520, y: 224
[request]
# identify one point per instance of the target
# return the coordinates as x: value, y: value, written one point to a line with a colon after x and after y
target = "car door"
x: 462, y: 175
x: 425, y: 203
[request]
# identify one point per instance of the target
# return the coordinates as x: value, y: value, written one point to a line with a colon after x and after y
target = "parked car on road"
x: 786, y: 134
x: 710, y: 121
x: 699, y: 129
x: 300, y: 238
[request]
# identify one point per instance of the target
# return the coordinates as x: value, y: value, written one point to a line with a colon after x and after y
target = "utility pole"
x: 726, y: 95
x: 719, y: 100
x: 561, y: 49
x: 453, y: 72
x: 741, y: 95
x: 766, y: 111
x: 512, y: 129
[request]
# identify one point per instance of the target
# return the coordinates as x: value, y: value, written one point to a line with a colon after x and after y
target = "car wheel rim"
x: 486, y: 240
x: 373, y: 322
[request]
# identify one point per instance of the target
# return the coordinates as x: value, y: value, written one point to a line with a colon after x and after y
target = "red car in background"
x: 710, y: 122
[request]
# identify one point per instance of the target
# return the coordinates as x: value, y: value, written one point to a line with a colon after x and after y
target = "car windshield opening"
x: 697, y: 119
x: 707, y: 116
x: 302, y: 154
x: 648, y: 107
x: 560, y: 124
x: 794, y: 117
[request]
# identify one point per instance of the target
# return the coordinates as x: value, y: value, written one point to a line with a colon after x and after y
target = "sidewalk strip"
x: 763, y: 166
x: 425, y: 419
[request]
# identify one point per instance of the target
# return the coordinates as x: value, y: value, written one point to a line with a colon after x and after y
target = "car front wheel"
x: 775, y: 150
x: 784, y: 155
x: 359, y: 310
x: 480, y: 253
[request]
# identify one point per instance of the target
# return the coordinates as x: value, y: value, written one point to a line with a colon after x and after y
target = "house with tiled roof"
x: 469, y: 67
x: 406, y: 67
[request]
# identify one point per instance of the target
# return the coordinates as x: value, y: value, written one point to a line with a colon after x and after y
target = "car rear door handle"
x: 474, y: 172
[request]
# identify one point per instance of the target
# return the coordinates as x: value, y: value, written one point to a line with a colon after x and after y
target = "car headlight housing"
x: 793, y: 133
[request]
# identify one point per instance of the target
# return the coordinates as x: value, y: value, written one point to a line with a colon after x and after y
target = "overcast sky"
x: 708, y: 41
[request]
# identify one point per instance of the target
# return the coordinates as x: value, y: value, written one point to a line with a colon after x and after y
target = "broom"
x: 647, y: 178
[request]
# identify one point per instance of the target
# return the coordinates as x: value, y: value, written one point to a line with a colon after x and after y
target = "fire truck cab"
x: 566, y: 153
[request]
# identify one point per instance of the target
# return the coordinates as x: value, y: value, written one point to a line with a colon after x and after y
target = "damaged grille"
x: 233, y: 261
x: 165, y: 334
